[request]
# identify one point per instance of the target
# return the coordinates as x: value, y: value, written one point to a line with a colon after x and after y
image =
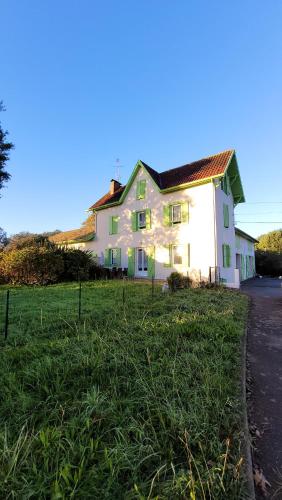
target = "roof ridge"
x: 197, y: 161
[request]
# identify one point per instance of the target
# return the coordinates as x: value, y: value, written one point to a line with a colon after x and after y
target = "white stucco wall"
x: 198, y: 232
x: 225, y: 235
x: 245, y: 249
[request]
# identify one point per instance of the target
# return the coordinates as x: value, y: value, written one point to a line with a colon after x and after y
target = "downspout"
x: 214, y: 228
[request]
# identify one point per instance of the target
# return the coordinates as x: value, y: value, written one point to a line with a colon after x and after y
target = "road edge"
x: 247, y: 437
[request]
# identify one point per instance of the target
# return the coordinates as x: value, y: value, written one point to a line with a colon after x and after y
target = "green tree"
x: 270, y: 242
x: 5, y: 148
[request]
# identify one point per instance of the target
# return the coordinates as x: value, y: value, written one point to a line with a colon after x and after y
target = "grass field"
x: 135, y: 401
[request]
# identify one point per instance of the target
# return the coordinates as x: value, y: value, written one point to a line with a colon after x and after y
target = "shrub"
x: 41, y: 265
x: 177, y: 280
x: 31, y: 266
x: 269, y: 263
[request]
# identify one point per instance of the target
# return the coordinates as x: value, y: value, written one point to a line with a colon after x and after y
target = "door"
x: 142, y: 262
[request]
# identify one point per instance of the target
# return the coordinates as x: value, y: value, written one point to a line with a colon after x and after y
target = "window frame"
x: 173, y: 247
x: 173, y: 206
x: 138, y: 213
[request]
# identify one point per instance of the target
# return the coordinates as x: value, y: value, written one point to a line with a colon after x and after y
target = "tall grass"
x: 137, y: 401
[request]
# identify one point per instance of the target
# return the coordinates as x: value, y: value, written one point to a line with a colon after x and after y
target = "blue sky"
x: 168, y: 82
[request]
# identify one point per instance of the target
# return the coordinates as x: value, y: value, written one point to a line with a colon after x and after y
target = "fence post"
x: 7, y: 315
x: 153, y: 283
x: 79, y: 300
x: 123, y: 293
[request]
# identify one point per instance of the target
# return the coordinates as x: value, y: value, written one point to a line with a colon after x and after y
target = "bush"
x: 31, y: 266
x: 41, y: 265
x: 177, y: 280
x: 269, y: 263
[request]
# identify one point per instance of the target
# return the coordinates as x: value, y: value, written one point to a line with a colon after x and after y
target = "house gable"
x: 186, y: 176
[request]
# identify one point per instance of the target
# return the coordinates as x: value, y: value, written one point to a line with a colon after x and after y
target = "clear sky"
x: 86, y: 82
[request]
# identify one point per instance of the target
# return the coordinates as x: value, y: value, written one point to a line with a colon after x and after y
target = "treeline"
x: 269, y: 253
x: 34, y: 260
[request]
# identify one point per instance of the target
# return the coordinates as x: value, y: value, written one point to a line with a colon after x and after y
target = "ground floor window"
x: 177, y: 254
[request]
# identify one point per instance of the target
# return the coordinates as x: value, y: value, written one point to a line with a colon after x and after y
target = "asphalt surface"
x: 264, y: 381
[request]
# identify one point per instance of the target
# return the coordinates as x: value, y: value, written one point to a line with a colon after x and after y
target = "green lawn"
x: 136, y: 401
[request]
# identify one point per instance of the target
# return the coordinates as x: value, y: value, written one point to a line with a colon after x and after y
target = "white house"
x: 177, y: 220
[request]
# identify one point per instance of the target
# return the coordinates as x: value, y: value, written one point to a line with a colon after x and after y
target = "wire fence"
x: 35, y: 310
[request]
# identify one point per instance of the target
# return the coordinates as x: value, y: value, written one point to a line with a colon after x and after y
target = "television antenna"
x: 117, y: 168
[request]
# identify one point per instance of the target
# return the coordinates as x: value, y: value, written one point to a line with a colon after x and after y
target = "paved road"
x: 264, y: 355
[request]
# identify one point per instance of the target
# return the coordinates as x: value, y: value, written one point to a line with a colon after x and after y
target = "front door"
x: 142, y: 262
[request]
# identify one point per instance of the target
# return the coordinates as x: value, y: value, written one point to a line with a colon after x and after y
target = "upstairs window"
x: 113, y: 224
x: 141, y: 219
x: 141, y: 190
x: 176, y: 214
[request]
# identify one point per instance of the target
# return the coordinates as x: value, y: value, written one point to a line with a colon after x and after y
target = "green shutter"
x: 167, y: 215
x: 148, y: 218
x: 184, y: 212
x: 115, y: 220
x: 226, y: 215
x: 110, y: 225
x: 131, y: 262
x: 134, y: 221
x: 118, y: 254
x: 107, y: 260
x: 228, y: 256
x: 188, y: 255
x: 113, y: 224
x: 169, y: 250
x: 151, y: 261
x: 141, y: 190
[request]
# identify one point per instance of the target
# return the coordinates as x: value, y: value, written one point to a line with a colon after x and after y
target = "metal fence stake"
x: 7, y: 315
x: 153, y: 283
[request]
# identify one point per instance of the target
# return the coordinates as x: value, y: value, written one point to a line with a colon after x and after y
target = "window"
x: 176, y: 214
x: 141, y: 190
x: 141, y: 218
x: 226, y: 255
x: 177, y: 255
x: 225, y: 184
x: 225, y: 215
x: 112, y: 257
x: 113, y: 224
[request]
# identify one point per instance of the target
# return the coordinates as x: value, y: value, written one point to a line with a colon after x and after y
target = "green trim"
x: 151, y: 262
x: 131, y: 262
x: 231, y: 168
x: 169, y: 262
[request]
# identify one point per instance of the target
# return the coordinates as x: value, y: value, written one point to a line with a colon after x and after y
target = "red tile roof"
x: 211, y: 166
x: 108, y: 198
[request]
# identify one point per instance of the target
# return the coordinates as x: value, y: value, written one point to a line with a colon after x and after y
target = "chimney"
x: 114, y: 185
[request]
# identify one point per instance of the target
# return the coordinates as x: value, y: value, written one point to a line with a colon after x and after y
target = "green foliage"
x: 33, y: 260
x: 137, y: 401
x: 269, y: 253
x: 5, y: 148
x: 269, y: 263
x: 31, y: 266
x: 177, y: 280
x: 271, y: 241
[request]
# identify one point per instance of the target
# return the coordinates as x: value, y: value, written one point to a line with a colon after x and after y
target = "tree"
x: 3, y: 238
x: 270, y: 242
x: 5, y: 148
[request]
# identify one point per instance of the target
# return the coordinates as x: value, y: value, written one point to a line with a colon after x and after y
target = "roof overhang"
x: 241, y: 233
x: 232, y: 170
